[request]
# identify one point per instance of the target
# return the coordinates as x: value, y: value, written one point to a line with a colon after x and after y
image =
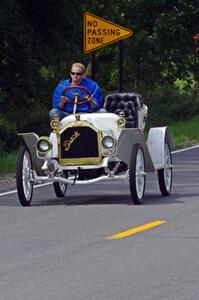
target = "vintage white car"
x: 90, y: 147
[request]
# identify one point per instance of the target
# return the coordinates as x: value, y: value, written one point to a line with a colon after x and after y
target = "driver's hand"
x: 90, y: 99
x: 64, y: 100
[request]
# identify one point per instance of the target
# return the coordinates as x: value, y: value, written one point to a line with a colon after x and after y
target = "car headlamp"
x: 108, y: 142
x: 43, y: 145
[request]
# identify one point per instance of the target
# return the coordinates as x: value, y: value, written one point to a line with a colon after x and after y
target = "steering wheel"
x: 77, y: 95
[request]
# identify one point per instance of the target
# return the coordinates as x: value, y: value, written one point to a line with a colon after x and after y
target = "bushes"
x: 33, y: 119
x: 7, y: 135
x: 20, y: 120
x: 167, y: 104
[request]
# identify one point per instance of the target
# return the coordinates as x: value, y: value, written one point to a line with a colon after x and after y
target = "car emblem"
x: 67, y: 143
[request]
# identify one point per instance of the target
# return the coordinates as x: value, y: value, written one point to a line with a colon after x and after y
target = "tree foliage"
x: 40, y: 39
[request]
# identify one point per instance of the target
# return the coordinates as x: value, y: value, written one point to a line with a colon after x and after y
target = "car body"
x: 91, y: 147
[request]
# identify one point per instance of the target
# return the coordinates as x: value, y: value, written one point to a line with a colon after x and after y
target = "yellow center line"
x: 135, y: 230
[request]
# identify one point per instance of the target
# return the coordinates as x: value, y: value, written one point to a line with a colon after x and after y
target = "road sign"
x: 99, y: 32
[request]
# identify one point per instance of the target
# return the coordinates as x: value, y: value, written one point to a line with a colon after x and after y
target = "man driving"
x: 89, y: 94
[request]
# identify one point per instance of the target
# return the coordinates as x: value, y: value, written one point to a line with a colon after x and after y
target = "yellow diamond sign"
x: 99, y: 32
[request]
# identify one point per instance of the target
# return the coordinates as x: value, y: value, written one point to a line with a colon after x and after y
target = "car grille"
x: 79, y: 142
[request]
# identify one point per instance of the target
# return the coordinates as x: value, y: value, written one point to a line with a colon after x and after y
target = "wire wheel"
x: 24, y: 176
x: 165, y: 175
x: 60, y: 188
x: 137, y: 175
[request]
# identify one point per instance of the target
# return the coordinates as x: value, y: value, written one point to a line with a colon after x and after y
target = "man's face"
x: 76, y: 75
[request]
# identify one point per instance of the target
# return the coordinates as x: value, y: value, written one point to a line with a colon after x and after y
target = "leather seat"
x: 128, y: 103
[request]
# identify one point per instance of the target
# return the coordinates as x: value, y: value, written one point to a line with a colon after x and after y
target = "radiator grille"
x: 79, y: 142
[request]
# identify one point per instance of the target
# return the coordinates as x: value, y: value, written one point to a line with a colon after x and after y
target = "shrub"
x: 7, y: 135
x: 34, y: 119
x: 167, y: 104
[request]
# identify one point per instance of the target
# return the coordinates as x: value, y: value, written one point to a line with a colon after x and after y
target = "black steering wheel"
x: 77, y: 95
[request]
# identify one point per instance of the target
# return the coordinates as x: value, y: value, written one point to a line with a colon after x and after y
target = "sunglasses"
x: 73, y: 73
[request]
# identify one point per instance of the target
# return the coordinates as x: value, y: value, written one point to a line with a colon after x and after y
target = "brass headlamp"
x: 55, y: 123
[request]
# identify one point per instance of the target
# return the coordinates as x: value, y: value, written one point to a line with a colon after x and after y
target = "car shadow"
x: 113, y: 199
x: 121, y: 200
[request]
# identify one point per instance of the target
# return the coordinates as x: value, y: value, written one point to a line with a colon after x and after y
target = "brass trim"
x: 67, y: 143
x: 121, y: 122
x: 77, y: 117
x: 82, y: 160
x: 56, y: 126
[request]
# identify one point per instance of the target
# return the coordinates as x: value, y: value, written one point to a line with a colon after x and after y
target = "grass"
x: 184, y: 134
x: 7, y: 163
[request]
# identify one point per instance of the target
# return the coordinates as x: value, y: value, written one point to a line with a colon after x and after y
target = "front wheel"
x: 60, y: 188
x: 23, y: 176
x: 137, y: 175
x: 165, y: 175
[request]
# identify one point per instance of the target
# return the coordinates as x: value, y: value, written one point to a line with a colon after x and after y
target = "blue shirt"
x: 86, y: 107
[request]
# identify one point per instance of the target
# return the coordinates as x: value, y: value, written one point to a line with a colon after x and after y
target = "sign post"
x: 121, y: 66
x: 93, y: 65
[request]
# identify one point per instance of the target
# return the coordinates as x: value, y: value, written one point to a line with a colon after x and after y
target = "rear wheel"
x: 23, y: 176
x: 60, y: 188
x: 165, y: 175
x: 137, y: 175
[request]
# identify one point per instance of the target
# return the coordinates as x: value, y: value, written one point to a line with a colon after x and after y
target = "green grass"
x: 7, y: 163
x: 184, y: 134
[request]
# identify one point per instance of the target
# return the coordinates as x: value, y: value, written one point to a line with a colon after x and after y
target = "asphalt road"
x: 58, y: 249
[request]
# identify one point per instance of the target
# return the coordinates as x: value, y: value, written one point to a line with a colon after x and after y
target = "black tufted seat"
x: 129, y: 103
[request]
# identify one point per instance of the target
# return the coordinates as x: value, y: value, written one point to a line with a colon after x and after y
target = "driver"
x: 63, y: 104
